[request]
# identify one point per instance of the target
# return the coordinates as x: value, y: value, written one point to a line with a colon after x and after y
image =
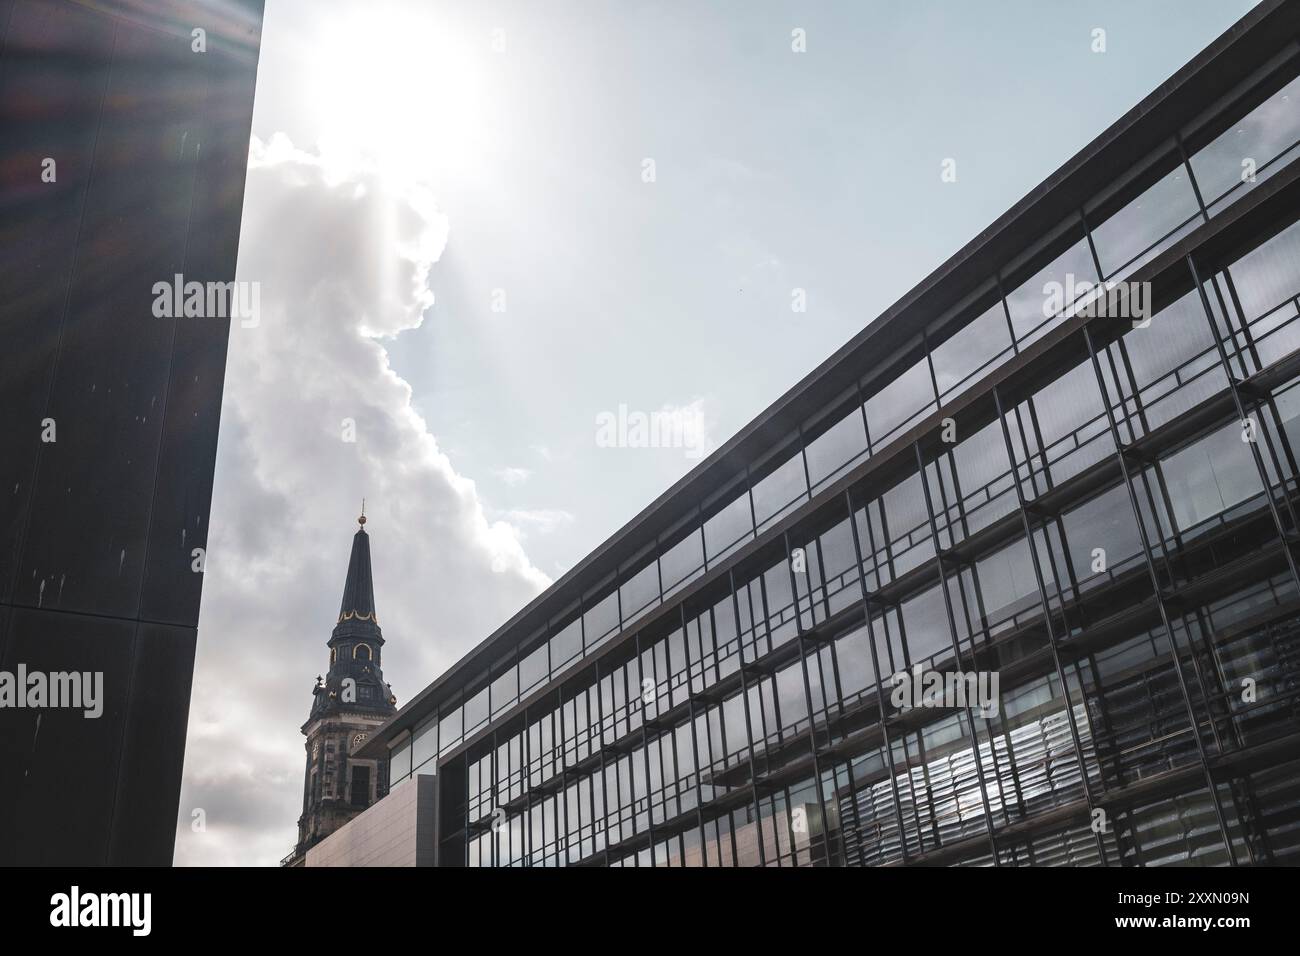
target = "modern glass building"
x: 999, y: 475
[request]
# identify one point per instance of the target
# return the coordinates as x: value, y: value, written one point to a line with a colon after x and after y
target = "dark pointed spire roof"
x: 354, y: 683
x: 359, y: 589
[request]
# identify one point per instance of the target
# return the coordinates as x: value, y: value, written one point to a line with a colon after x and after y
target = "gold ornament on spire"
x: 362, y: 520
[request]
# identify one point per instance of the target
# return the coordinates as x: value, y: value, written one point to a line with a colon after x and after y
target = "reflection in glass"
x: 973, y: 350
x: 843, y: 443
x: 1251, y: 150
x: 1147, y: 225
x: 1030, y: 305
x: 1267, y: 281
x: 900, y: 403
x: 1211, y: 476
x: 727, y: 529
x: 780, y: 492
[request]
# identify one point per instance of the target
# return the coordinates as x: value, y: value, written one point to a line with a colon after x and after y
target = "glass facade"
x: 1100, y: 510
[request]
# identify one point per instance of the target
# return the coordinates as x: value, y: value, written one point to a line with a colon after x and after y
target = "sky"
x: 478, y: 226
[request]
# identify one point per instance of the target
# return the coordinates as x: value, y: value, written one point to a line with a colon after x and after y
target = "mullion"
x: 1067, y: 699
x: 1286, y: 539
x: 956, y: 650
x: 807, y: 689
x: 875, y: 665
x: 1175, y: 652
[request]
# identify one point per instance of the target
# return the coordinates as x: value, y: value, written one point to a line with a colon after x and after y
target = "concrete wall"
x: 399, y: 830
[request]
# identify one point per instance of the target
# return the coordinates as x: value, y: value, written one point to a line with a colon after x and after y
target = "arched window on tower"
x: 334, y: 654
x: 361, y: 652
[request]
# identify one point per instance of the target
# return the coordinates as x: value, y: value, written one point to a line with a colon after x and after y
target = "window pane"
x: 780, y: 492
x: 449, y: 732
x: 984, y: 473
x: 853, y: 658
x: 425, y: 745
x: 729, y: 526
x: 1142, y: 224
x: 1068, y: 403
x: 926, y: 619
x: 601, y: 621
x: 1007, y: 582
x: 1032, y: 304
x: 1072, y: 422
x: 900, y: 403
x: 533, y: 669
x: 1267, y: 279
x: 830, y: 453
x: 566, y: 645
x: 1105, y: 522
x: 839, y: 566
x: 683, y: 561
x: 780, y: 601
x: 399, y: 764
x: 960, y: 360
x: 505, y: 690
x: 1177, y: 333
x: 1268, y: 131
x: 640, y: 592
x: 1210, y: 476
x: 791, y: 697
x: 1288, y: 408
x: 1174, y: 361
x: 476, y: 711
x: 909, y: 525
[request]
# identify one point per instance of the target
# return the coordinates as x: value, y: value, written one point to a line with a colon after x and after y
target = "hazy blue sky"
x: 415, y: 163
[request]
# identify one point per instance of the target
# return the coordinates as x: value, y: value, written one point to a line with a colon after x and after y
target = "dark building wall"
x: 98, y: 528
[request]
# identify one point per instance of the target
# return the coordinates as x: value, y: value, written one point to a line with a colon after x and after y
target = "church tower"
x: 350, y: 701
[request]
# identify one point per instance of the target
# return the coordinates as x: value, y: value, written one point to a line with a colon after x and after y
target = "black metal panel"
x: 59, y: 766
x: 98, y: 526
x: 153, y: 746
x: 52, y: 80
x: 187, y: 457
x: 86, y: 548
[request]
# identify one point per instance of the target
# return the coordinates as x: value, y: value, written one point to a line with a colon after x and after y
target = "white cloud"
x: 543, y: 520
x: 514, y: 476
x: 343, y: 258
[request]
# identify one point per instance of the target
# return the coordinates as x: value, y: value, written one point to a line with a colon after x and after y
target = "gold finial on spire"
x: 362, y: 520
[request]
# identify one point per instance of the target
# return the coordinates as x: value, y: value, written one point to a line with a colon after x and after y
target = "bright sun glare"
x: 408, y: 90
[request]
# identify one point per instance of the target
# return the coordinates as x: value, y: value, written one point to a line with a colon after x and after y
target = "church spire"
x: 359, y: 588
x: 348, y: 703
x: 355, y: 680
